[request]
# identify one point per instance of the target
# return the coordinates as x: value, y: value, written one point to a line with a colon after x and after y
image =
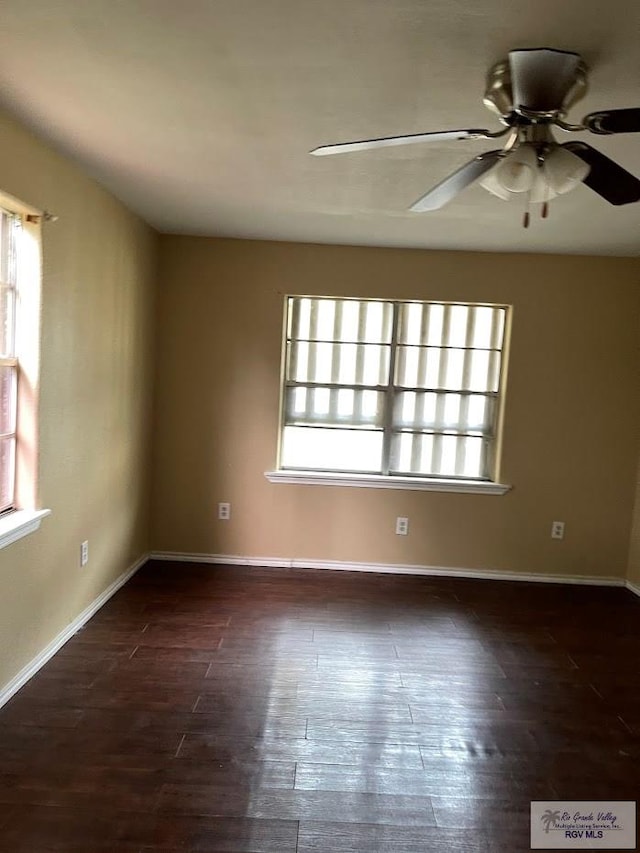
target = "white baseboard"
x: 385, y: 568
x: 49, y: 651
x: 221, y: 559
x: 633, y: 587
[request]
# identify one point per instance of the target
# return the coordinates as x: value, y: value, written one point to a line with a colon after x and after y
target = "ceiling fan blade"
x: 607, y: 178
x: 446, y: 190
x: 613, y: 121
x: 388, y: 141
x: 542, y: 78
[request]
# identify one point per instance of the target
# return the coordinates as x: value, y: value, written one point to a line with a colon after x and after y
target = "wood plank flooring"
x: 237, y: 710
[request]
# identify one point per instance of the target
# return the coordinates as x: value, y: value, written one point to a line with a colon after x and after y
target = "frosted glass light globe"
x: 518, y: 171
x: 564, y: 170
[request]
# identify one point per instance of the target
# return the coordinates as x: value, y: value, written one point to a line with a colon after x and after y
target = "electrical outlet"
x: 84, y: 553
x: 402, y: 526
x: 557, y: 529
x: 224, y: 511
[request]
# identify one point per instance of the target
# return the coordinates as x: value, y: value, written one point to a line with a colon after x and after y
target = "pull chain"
x: 545, y: 204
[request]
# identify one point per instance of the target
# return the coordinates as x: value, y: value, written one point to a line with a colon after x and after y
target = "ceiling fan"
x: 530, y: 92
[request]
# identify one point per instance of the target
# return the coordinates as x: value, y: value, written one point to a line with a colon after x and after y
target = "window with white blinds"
x: 10, y: 225
x: 398, y: 388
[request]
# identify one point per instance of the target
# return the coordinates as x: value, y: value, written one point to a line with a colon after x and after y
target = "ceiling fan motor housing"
x: 536, y: 84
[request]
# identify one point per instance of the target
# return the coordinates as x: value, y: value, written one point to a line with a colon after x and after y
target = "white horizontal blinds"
x: 439, y: 455
x: 334, y: 341
x: 337, y: 375
x: 9, y: 233
x: 334, y: 363
x: 438, y: 411
x: 447, y: 382
x: 333, y: 406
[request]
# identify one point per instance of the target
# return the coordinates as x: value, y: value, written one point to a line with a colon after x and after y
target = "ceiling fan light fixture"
x: 521, y: 172
x: 564, y: 171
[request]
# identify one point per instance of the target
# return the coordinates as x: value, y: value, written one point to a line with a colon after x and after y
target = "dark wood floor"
x: 251, y: 710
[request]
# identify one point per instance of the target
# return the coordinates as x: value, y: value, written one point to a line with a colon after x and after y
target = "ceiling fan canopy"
x: 531, y: 93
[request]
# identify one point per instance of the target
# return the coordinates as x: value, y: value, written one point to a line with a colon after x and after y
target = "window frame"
x: 386, y: 478
x: 9, y: 260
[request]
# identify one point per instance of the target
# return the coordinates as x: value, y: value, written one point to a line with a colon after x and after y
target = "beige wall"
x: 571, y: 421
x: 97, y: 314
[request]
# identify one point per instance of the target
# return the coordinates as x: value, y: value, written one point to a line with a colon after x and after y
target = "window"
x: 404, y: 389
x: 20, y: 274
x: 10, y: 225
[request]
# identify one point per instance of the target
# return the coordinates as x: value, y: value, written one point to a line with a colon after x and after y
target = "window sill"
x: 20, y: 523
x: 379, y: 481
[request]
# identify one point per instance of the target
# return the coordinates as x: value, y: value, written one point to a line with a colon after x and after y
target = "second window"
x: 392, y: 388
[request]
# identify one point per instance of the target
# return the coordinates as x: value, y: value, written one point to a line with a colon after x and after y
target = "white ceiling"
x: 199, y: 114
